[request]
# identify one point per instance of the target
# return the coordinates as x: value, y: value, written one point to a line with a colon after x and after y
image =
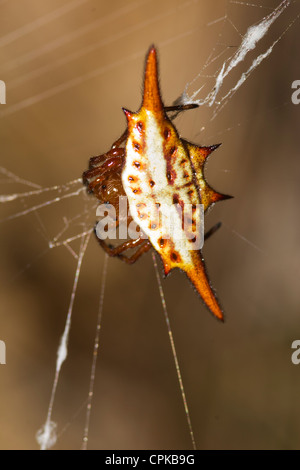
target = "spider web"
x: 239, y: 38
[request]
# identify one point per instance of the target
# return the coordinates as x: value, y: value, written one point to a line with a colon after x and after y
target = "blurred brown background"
x: 69, y: 67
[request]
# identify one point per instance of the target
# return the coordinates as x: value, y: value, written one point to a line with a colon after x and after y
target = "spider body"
x: 157, y: 168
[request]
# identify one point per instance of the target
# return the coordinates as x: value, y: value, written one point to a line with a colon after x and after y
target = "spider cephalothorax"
x: 156, y: 167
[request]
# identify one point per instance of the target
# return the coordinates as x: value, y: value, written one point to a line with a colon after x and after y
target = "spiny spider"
x: 156, y: 167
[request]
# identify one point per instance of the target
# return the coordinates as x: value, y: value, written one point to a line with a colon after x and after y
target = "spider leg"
x: 120, y: 140
x: 139, y: 252
x: 115, y: 251
x: 100, y: 172
x: 212, y: 230
x: 144, y: 246
x: 95, y: 161
x: 111, y: 164
x: 181, y: 107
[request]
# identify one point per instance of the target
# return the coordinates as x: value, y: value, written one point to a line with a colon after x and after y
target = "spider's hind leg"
x: 143, y: 244
x: 181, y: 107
x: 144, y: 247
x: 178, y: 108
x: 212, y: 230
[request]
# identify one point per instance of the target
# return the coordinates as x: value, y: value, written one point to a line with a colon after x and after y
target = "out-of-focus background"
x: 69, y: 66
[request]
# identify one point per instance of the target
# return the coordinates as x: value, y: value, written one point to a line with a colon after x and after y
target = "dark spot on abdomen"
x: 173, y: 151
x: 140, y: 126
x: 171, y: 176
x: 175, y: 198
x: 161, y: 242
x: 167, y: 133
